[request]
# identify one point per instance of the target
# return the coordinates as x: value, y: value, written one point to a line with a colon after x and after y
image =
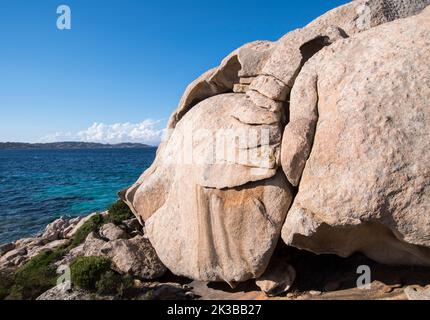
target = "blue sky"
x: 125, y: 63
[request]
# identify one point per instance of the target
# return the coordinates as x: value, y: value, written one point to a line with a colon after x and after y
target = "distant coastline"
x: 67, y: 145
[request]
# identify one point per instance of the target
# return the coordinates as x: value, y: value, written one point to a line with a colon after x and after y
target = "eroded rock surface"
x: 363, y: 106
x: 215, y: 198
x: 278, y: 278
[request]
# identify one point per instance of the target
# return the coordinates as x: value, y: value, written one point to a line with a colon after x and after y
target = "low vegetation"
x: 111, y: 283
x: 6, y: 283
x: 87, y: 271
x: 117, y: 213
x: 92, y: 225
x: 33, y: 278
x: 91, y: 273
x: 95, y: 275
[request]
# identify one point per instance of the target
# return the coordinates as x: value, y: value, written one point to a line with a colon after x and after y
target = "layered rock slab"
x: 270, y: 68
x: 245, y: 62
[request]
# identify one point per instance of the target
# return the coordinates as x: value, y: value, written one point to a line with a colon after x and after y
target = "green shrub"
x: 36, y: 276
x: 92, y: 225
x: 39, y: 274
x: 112, y: 283
x: 109, y: 283
x: 87, y: 271
x: 6, y: 283
x: 118, y: 212
x: 126, y: 287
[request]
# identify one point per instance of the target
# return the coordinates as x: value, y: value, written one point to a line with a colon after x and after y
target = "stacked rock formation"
x: 339, y: 109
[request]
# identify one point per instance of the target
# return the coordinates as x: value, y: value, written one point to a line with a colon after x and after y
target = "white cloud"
x: 143, y: 132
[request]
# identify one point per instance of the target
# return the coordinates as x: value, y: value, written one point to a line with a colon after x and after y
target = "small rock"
x: 168, y: 292
x: 75, y: 221
x: 81, y: 222
x: 132, y: 225
x: 387, y: 289
x: 247, y: 81
x: 35, y: 250
x: 67, y: 230
x: 136, y: 233
x: 190, y: 295
x: 417, y: 293
x: 93, y: 245
x: 25, y: 241
x: 315, y: 293
x: 71, y: 256
x: 53, y: 231
x: 112, y: 232
x: 9, y: 256
x: 270, y: 87
x: 6, y: 248
x: 137, y: 283
x: 278, y: 278
x: 136, y: 257
x: 19, y: 261
x: 240, y: 88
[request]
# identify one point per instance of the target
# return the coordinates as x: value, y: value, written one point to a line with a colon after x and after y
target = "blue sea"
x: 39, y: 186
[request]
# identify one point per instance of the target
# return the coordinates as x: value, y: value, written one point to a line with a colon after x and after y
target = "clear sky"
x: 120, y: 71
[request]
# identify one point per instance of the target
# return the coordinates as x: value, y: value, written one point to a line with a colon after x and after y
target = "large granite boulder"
x: 220, y: 235
x: 216, y: 214
x: 215, y: 198
x: 358, y: 146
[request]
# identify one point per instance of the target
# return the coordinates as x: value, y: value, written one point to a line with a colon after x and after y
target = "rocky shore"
x: 296, y: 169
x: 121, y: 239
x: 114, y: 235
x: 319, y: 141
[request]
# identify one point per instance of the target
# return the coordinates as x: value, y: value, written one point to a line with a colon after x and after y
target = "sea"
x: 39, y: 186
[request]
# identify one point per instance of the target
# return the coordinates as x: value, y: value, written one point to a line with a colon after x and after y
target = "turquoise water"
x: 38, y: 186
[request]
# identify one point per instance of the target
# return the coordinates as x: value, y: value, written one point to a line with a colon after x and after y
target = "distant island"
x: 69, y: 145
